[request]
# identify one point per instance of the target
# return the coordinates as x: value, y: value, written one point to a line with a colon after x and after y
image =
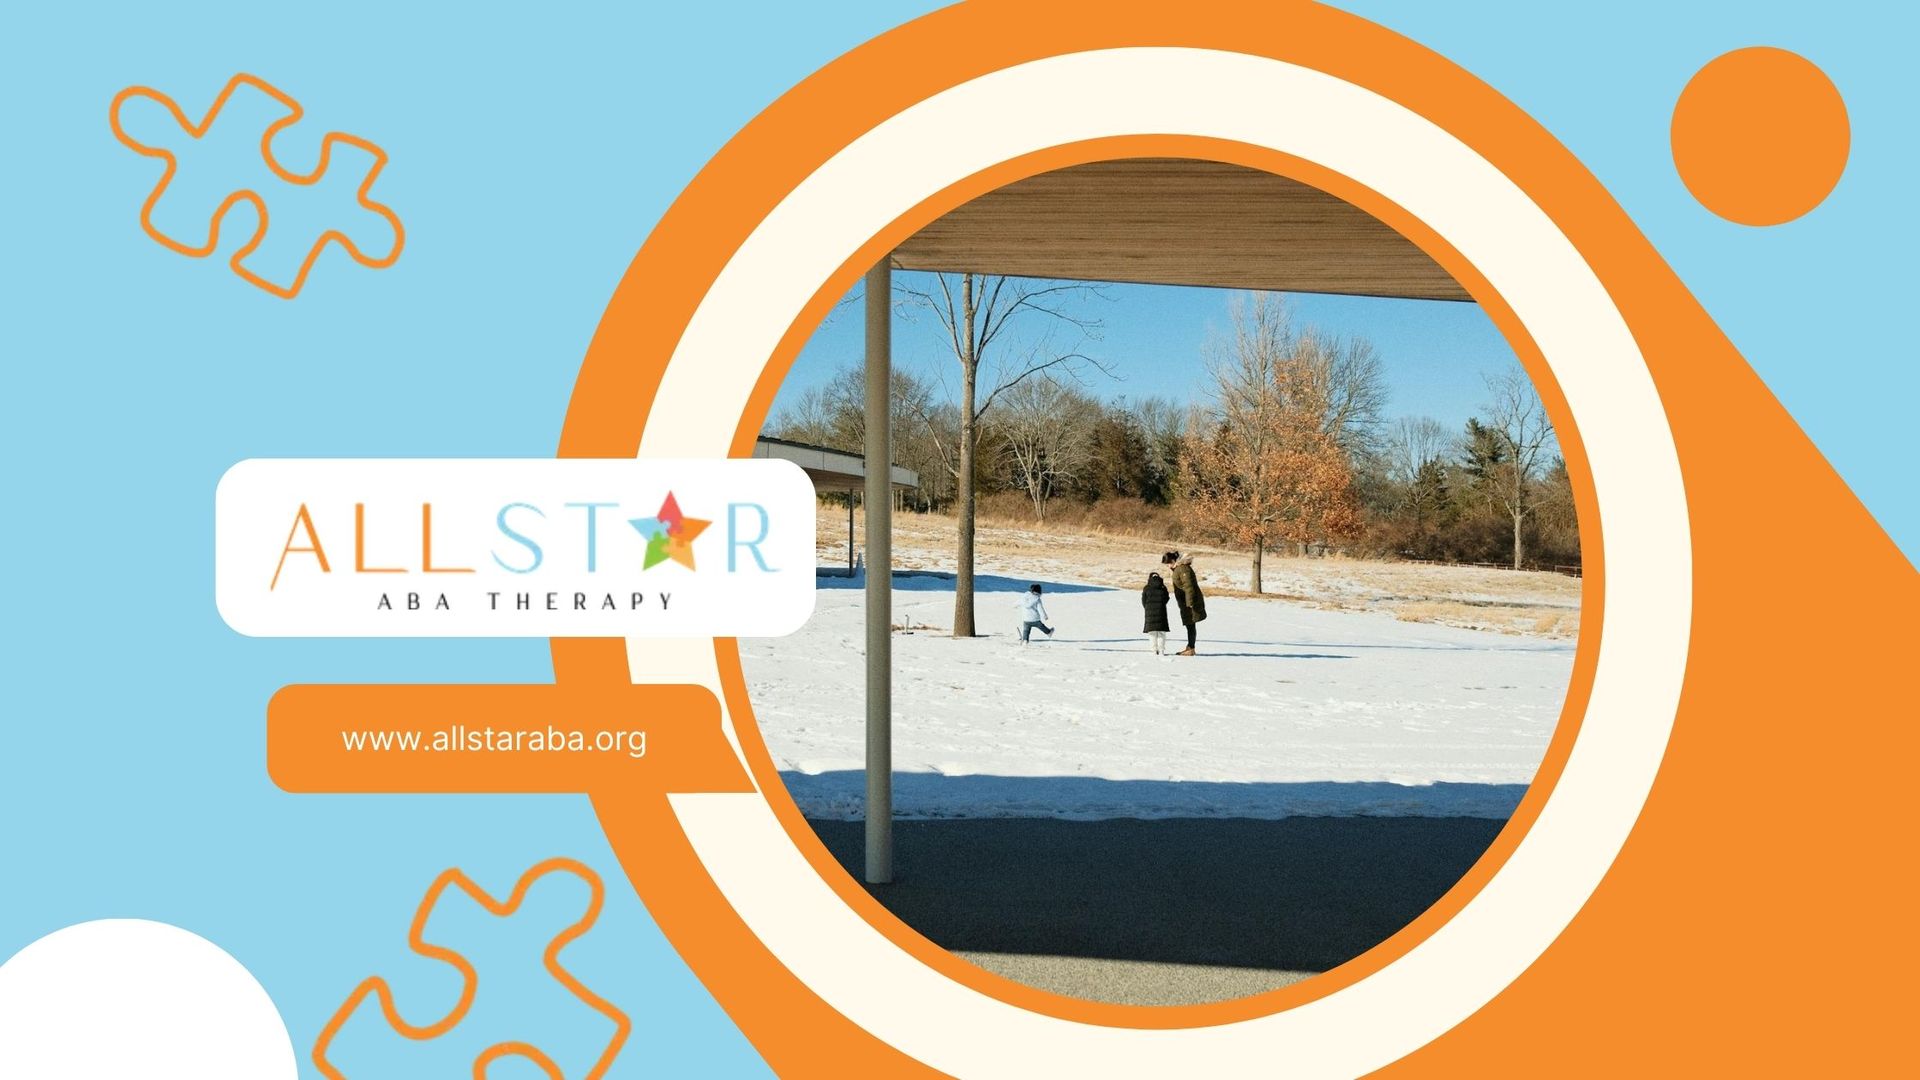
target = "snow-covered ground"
x: 1290, y: 708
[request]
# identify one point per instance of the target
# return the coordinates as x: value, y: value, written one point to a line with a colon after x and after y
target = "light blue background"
x: 531, y: 154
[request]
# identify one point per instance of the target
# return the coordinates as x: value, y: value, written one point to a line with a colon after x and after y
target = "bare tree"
x: 1348, y: 378
x: 1412, y: 442
x: 983, y: 316
x: 1163, y: 424
x: 812, y: 419
x: 834, y: 415
x: 1518, y: 425
x: 1046, y: 433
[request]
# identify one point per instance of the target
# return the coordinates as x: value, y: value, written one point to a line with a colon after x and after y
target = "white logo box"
x: 753, y: 572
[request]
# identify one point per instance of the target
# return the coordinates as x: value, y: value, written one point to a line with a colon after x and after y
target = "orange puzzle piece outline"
x: 266, y: 153
x: 470, y: 980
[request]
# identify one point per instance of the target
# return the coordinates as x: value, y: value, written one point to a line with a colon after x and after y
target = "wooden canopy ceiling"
x: 1173, y: 221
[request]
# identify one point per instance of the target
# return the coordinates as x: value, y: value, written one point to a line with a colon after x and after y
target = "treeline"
x: 1441, y: 495
x: 1293, y: 453
x: 1045, y: 441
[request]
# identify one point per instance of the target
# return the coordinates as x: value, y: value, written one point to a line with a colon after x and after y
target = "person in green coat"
x: 1186, y: 592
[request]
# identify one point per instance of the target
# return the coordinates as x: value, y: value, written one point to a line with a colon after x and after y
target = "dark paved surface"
x: 1291, y: 895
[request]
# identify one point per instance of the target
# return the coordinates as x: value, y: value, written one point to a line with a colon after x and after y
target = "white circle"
x: 120, y: 998
x: 1635, y: 470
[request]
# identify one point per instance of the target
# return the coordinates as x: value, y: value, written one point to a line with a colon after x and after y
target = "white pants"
x: 1159, y: 641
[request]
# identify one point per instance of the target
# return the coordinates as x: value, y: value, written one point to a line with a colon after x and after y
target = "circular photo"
x: 1234, y: 574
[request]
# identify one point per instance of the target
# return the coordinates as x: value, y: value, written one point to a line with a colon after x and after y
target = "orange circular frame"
x: 766, y: 774
x: 794, y: 1028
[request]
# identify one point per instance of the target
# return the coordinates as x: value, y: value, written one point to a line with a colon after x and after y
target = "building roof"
x: 830, y: 469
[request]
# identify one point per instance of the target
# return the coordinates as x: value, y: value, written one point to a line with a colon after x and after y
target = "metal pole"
x: 879, y: 470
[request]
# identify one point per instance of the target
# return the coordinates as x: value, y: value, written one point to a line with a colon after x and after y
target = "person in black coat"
x: 1154, y: 599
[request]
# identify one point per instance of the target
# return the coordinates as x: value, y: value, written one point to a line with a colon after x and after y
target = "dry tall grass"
x: 1108, y: 517
x: 1079, y: 544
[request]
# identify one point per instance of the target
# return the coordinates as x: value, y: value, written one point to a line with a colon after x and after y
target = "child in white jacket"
x: 1032, y: 614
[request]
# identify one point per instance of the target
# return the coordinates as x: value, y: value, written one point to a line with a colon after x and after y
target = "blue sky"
x: 1433, y: 352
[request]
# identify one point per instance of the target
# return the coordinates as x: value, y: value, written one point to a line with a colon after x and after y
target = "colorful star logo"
x: 669, y: 534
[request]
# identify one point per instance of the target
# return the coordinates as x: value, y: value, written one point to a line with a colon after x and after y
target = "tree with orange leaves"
x: 1264, y: 465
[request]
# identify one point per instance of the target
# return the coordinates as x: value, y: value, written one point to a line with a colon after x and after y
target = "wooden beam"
x: 1172, y: 221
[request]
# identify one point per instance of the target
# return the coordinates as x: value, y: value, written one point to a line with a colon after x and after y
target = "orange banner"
x: 514, y: 738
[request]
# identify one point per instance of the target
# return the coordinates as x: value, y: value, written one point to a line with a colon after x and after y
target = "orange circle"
x: 1760, y: 136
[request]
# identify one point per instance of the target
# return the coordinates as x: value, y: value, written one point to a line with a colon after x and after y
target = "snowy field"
x: 1291, y: 708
